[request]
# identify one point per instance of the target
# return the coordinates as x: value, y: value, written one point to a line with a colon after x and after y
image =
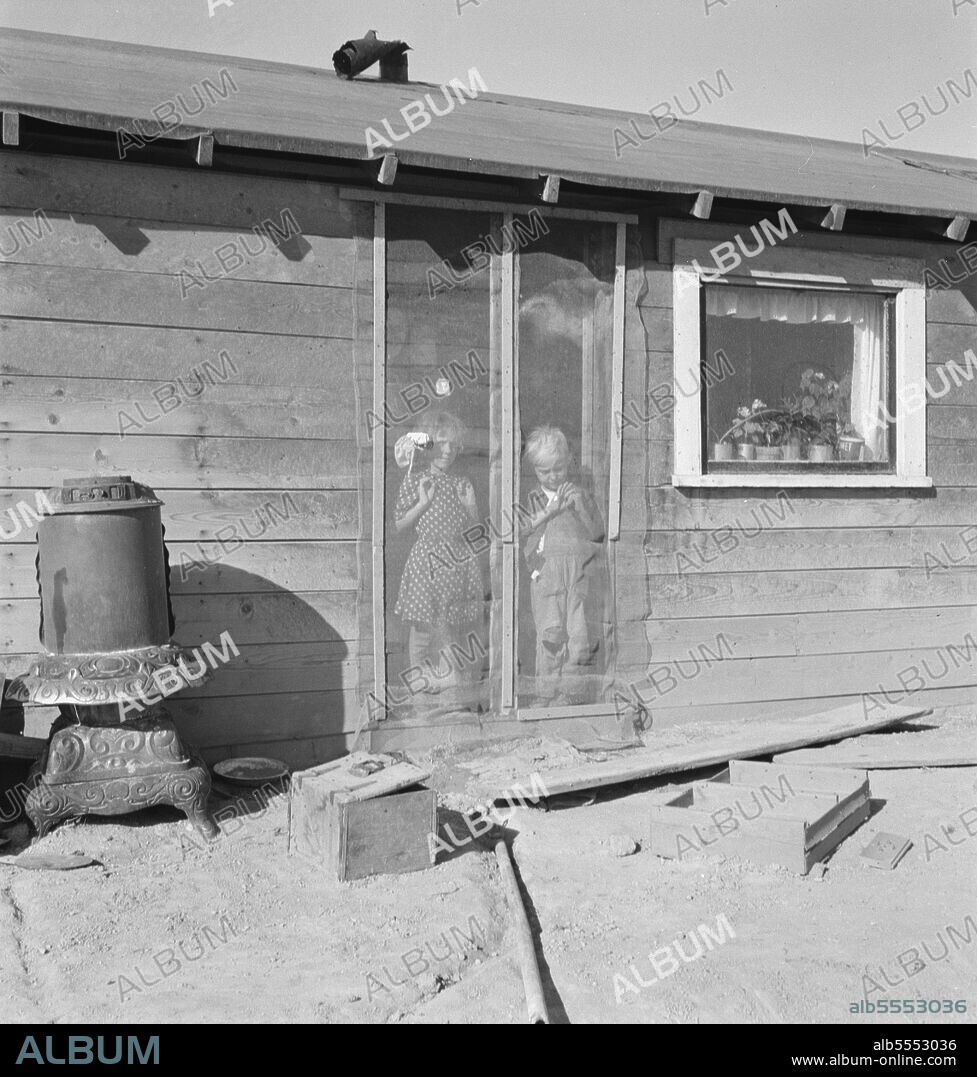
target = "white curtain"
x: 863, y: 312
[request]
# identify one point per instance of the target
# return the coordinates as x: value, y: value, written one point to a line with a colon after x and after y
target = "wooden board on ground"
x: 765, y: 812
x: 951, y: 746
x: 749, y: 740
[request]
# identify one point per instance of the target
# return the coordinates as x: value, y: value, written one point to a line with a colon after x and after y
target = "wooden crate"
x: 359, y: 826
x: 770, y: 813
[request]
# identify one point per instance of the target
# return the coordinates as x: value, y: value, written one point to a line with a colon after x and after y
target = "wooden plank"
x: 11, y: 128
x: 908, y: 325
x: 950, y: 306
x: 391, y: 835
x: 953, y: 747
x: 206, y: 406
x: 677, y: 829
x: 551, y: 188
x: 957, y: 229
x: 508, y: 299
x: 950, y: 423
x: 142, y: 299
x: 820, y: 851
x: 737, y: 594
x: 480, y: 204
x: 943, y: 343
x: 388, y: 170
x: 260, y: 566
x: 19, y: 747
x: 819, y: 830
x: 834, y: 219
x: 671, y: 228
x: 768, y: 705
x: 737, y: 547
x: 758, y: 738
x: 617, y: 383
x: 38, y: 460
x: 156, y: 193
x: 702, y: 208
x: 666, y: 508
x: 271, y: 717
x: 203, y: 152
x: 379, y: 459
x: 337, y: 780
x: 699, y: 678
x: 839, y: 783
x: 94, y: 241
x: 262, y: 617
x: 789, y: 635
x: 91, y: 350
x: 195, y: 515
x: 805, y: 806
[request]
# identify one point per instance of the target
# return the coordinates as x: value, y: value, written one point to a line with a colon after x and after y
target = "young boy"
x: 562, y: 546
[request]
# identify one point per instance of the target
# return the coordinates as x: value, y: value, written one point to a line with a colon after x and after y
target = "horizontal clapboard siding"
x: 234, y: 397
x: 839, y: 595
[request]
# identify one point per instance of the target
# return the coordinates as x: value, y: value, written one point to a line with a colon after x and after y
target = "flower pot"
x: 769, y: 452
x: 850, y: 447
x: 821, y: 454
x: 792, y: 450
x: 747, y: 451
x: 723, y: 450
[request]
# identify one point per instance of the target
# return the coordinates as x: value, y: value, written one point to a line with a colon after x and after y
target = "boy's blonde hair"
x: 546, y: 442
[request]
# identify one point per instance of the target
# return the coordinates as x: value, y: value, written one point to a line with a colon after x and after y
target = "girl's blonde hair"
x: 546, y: 442
x: 444, y: 422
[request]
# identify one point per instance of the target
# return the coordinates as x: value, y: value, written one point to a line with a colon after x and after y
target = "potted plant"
x: 758, y: 431
x: 819, y: 405
x: 723, y: 448
x: 821, y: 451
x: 774, y: 426
x: 746, y: 429
x: 850, y: 444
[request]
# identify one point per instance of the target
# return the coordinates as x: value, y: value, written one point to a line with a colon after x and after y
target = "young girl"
x: 441, y: 588
x: 562, y: 545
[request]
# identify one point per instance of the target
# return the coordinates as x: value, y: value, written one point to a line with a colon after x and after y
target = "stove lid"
x: 101, y: 493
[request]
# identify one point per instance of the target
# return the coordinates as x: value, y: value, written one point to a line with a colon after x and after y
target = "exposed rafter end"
x: 957, y: 229
x: 11, y: 128
x: 388, y: 169
x: 702, y: 208
x: 551, y: 188
x: 834, y: 219
x: 203, y: 152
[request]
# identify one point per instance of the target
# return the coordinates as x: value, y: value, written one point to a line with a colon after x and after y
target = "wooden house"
x: 243, y: 283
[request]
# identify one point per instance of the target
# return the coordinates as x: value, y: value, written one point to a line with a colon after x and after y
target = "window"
x: 798, y: 367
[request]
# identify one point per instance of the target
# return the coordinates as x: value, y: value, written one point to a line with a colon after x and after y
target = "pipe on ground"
x: 535, y: 1000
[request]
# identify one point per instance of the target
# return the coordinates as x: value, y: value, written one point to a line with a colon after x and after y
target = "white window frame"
x: 808, y: 268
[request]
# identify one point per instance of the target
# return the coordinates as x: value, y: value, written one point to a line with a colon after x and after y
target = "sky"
x: 823, y: 68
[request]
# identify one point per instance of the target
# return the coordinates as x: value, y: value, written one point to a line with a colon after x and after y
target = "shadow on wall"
x: 293, y: 687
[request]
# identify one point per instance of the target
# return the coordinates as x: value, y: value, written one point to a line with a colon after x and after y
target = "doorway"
x: 499, y: 373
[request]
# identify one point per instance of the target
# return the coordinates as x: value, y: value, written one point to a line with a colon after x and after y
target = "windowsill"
x: 795, y: 479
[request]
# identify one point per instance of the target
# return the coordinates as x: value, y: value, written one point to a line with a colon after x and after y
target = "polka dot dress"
x: 442, y: 583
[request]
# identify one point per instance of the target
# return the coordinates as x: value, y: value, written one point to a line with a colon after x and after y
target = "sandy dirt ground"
x: 164, y: 929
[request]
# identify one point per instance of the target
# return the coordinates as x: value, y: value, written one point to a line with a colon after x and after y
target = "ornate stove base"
x: 111, y: 770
